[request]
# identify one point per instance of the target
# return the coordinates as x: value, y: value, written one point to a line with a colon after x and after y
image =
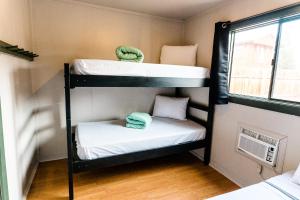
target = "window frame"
x: 279, y: 17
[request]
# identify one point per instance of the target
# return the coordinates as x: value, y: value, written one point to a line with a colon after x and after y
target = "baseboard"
x: 52, y: 158
x: 30, y: 180
x: 224, y: 172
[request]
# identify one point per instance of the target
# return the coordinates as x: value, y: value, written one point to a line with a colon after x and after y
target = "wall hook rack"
x: 16, y: 51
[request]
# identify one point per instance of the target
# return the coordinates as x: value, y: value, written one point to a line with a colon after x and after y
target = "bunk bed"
x: 83, y: 74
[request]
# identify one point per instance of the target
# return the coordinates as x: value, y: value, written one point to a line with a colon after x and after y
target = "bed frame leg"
x: 209, y: 132
x: 207, y: 153
x: 71, y: 188
x: 210, y: 123
x: 69, y: 130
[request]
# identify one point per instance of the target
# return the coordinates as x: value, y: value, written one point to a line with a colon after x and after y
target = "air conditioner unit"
x: 259, y: 145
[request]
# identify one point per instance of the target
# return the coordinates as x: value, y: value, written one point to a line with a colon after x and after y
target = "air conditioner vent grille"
x: 267, y: 139
x: 249, y: 132
x: 252, y: 147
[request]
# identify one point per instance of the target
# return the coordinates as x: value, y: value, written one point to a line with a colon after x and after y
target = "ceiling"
x: 177, y: 9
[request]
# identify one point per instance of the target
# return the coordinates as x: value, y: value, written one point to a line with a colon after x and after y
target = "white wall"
x: 200, y: 29
x: 64, y: 30
x: 17, y: 99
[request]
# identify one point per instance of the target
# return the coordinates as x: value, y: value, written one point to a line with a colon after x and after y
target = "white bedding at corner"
x: 264, y: 191
x: 108, y: 138
x: 121, y: 68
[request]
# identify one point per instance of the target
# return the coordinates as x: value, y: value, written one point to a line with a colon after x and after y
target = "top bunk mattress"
x: 108, y: 138
x: 121, y: 68
x: 276, y: 188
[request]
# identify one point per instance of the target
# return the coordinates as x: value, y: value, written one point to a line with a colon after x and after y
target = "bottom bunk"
x: 109, y: 143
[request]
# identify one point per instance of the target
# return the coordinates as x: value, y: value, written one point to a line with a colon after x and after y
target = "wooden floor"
x: 178, y: 177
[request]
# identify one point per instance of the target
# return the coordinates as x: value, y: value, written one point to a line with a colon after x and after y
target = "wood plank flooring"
x: 178, y: 177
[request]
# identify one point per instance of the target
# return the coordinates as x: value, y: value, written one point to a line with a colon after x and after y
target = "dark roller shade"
x: 219, y: 67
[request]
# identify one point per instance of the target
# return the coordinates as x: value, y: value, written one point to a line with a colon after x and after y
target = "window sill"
x: 266, y: 104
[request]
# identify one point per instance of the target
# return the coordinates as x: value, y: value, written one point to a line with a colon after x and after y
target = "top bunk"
x: 108, y: 73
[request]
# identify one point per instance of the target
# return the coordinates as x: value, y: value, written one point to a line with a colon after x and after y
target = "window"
x: 265, y: 61
x: 251, y: 67
x: 287, y: 75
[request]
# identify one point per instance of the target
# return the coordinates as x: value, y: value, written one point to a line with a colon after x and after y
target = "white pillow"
x: 179, y: 55
x: 296, y: 176
x: 170, y: 107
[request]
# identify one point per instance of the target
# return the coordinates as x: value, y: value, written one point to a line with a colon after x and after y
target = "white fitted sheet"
x: 121, y: 68
x: 264, y: 191
x: 109, y: 138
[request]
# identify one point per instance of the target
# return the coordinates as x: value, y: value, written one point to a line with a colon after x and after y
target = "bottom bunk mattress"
x: 109, y: 138
x: 276, y: 188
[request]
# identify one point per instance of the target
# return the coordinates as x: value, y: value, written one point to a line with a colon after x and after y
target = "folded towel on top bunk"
x: 131, y: 54
x: 138, y: 120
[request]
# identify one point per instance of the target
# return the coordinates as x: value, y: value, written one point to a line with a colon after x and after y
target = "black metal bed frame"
x: 73, y: 80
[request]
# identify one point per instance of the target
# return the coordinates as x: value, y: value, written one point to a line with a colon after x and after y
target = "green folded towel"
x: 138, y: 120
x: 135, y: 126
x: 125, y: 53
